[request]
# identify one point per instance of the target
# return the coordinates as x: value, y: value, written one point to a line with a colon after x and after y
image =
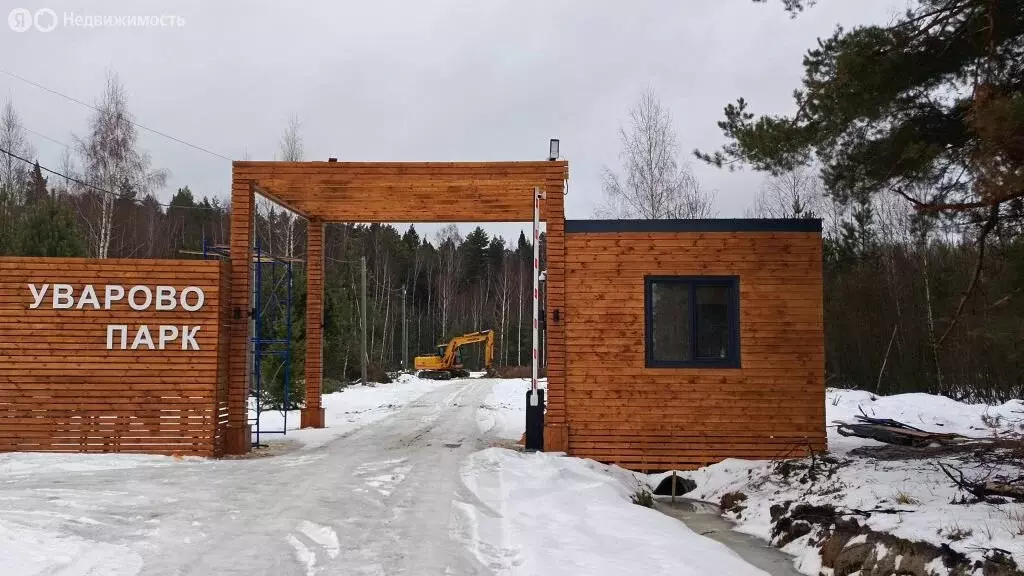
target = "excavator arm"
x: 443, y: 364
x: 472, y: 338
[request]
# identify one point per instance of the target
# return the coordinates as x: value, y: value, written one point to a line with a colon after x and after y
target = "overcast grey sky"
x: 420, y: 80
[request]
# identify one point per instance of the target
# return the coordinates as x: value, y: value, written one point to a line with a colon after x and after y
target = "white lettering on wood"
x: 110, y: 336
x: 37, y: 295
x: 112, y: 293
x: 63, y: 296
x: 134, y: 303
x: 88, y: 297
x: 142, y: 337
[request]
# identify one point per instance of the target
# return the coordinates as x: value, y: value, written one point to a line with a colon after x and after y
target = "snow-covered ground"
x: 503, y: 412
x: 864, y: 483
x: 351, y: 408
x: 403, y: 481
x: 544, y: 514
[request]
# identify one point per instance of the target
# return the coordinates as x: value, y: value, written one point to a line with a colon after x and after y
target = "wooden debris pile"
x: 893, y: 432
x: 986, y: 487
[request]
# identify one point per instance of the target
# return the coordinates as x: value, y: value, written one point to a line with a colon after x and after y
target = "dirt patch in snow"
x: 733, y: 502
x: 507, y: 444
x: 847, y: 547
x: 268, y: 450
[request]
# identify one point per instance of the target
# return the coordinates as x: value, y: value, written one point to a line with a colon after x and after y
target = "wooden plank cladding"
x: 619, y: 408
x: 404, y: 191
x: 113, y: 355
x: 313, y: 415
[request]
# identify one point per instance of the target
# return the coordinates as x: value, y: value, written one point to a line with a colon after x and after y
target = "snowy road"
x: 400, y: 483
x: 377, y: 501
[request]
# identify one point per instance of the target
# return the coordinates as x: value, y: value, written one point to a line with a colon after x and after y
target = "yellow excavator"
x: 447, y: 362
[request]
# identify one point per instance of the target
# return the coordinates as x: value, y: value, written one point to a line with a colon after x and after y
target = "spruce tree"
x: 36, y: 189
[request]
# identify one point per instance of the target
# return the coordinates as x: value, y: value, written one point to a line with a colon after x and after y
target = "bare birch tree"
x: 521, y: 281
x: 67, y: 168
x: 653, y: 183
x: 794, y: 194
x: 13, y: 172
x: 503, y: 289
x: 291, y: 147
x: 449, y: 266
x: 113, y: 162
x: 292, y: 150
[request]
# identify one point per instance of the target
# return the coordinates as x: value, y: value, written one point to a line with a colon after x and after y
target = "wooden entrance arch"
x: 389, y: 192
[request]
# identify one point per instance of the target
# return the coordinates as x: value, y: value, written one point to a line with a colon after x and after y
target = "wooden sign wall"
x: 112, y: 355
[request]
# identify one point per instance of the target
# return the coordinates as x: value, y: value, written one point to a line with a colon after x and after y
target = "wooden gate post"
x: 238, y: 437
x: 556, y: 431
x: 313, y: 413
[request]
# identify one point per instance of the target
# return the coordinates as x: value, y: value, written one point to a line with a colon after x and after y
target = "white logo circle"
x: 45, y: 20
x: 20, y: 19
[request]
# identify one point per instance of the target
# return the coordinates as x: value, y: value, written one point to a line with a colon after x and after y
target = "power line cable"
x: 72, y: 149
x: 94, y: 187
x: 45, y: 137
x: 136, y: 124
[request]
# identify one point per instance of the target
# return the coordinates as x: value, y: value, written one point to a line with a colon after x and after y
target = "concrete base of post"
x: 313, y: 418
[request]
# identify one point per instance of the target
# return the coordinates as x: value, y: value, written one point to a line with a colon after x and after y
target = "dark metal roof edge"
x: 702, y: 225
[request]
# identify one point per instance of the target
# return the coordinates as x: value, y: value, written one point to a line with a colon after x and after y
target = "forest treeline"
x: 903, y: 311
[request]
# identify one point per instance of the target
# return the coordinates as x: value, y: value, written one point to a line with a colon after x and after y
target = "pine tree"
x: 929, y: 106
x: 50, y: 230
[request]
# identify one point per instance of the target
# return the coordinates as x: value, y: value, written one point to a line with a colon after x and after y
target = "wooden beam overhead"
x: 404, y: 191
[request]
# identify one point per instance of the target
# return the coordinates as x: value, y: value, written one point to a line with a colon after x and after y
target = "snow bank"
x: 352, y: 408
x: 503, y: 413
x: 865, y: 483
x: 12, y: 464
x: 544, y: 514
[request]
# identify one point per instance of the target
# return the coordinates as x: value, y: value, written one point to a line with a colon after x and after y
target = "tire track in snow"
x: 323, y: 536
x: 476, y: 524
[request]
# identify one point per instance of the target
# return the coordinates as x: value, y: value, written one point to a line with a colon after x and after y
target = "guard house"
x: 691, y: 341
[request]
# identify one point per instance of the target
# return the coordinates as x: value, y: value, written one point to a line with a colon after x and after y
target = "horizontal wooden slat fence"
x: 65, y: 385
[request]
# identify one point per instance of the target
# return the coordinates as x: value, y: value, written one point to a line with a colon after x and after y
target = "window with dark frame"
x: 692, y: 321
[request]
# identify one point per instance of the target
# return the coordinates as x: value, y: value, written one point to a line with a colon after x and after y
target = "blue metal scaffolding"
x: 271, y: 289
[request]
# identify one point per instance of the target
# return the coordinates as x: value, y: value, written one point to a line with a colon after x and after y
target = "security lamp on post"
x: 553, y: 149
